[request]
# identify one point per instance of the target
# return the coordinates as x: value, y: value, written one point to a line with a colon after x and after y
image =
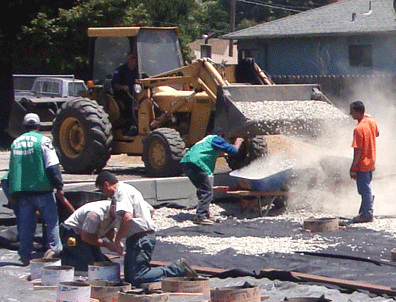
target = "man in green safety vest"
x: 199, y: 162
x: 34, y: 173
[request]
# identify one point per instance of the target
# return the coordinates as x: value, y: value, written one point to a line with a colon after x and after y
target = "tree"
x: 257, y: 11
x: 54, y: 40
x: 179, y: 13
x: 213, y: 18
x: 60, y: 45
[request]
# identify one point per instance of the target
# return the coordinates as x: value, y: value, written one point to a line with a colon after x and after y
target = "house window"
x: 360, y: 55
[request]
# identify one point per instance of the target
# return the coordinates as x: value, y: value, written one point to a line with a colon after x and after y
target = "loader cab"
x: 158, y: 50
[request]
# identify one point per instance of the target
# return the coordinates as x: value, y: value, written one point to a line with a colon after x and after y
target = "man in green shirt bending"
x: 198, y: 163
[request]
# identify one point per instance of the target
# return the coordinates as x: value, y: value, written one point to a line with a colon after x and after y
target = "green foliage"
x: 60, y: 45
x: 55, y: 39
x: 214, y: 19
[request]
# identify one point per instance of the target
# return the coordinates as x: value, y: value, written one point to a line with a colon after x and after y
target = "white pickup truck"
x: 43, y: 95
x: 50, y: 86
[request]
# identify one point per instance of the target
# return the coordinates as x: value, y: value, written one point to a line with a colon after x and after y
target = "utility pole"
x: 232, y: 27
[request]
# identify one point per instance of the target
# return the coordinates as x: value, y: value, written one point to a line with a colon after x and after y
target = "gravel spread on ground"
x: 248, y: 245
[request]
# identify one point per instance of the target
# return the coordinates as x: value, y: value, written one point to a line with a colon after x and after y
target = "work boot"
x: 203, y: 221
x: 361, y: 219
x: 190, y: 272
x: 25, y: 260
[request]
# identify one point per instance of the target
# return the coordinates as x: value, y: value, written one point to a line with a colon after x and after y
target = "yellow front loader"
x: 175, y: 105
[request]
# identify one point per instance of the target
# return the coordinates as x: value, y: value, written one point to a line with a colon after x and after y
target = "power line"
x: 202, y: 28
x: 271, y: 6
x: 294, y: 6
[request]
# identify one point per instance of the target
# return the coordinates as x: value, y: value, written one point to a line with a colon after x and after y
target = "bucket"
x: 73, y: 292
x: 104, y: 271
x: 321, y: 224
x: 105, y: 292
x: 54, y: 274
x: 142, y: 296
x: 36, y: 266
x: 186, y: 285
x: 236, y: 294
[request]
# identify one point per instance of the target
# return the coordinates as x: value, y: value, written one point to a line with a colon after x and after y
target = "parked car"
x: 52, y: 87
x: 43, y: 95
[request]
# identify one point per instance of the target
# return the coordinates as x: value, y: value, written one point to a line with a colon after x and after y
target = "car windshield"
x: 76, y: 88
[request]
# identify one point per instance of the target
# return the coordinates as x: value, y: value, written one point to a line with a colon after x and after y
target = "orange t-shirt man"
x: 364, y: 137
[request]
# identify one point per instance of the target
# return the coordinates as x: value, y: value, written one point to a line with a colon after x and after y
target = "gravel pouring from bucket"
x: 264, y: 174
x: 250, y: 110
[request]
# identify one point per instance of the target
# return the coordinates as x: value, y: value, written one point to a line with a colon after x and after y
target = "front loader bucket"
x: 250, y: 110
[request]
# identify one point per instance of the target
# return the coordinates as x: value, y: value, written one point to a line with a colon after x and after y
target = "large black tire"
x: 163, y: 149
x: 82, y: 136
x: 250, y: 149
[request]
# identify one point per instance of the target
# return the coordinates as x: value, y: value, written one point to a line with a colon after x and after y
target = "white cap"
x: 31, y: 119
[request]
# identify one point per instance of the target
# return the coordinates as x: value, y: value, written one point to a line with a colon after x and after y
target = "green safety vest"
x: 27, y: 171
x: 203, y: 155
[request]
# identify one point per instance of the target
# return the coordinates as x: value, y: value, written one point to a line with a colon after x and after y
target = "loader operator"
x: 84, y: 232
x: 124, y: 78
x: 135, y: 223
x: 364, y: 157
x: 198, y: 163
x: 34, y: 173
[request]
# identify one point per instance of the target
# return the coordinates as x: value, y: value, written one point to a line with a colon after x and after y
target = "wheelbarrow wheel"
x: 250, y: 149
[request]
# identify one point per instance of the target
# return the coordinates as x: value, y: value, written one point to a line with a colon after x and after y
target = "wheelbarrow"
x: 263, y: 182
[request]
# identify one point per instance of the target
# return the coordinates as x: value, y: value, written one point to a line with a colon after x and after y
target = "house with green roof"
x: 349, y: 37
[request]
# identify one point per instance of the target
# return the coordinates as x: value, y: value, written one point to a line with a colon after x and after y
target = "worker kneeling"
x: 136, y: 226
x: 88, y: 229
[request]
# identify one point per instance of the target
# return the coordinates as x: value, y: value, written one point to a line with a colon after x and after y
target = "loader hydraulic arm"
x: 201, y: 74
x: 168, y: 114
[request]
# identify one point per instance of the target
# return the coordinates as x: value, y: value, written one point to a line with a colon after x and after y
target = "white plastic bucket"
x: 104, y: 271
x: 54, y: 274
x: 36, y: 266
x: 73, y: 292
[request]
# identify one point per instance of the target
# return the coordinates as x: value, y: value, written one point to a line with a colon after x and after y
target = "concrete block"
x: 173, y: 188
x: 147, y: 187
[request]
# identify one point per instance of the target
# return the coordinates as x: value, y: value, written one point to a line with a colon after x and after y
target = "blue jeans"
x: 363, y: 182
x: 137, y: 269
x: 82, y: 254
x: 201, y: 181
x: 28, y: 205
